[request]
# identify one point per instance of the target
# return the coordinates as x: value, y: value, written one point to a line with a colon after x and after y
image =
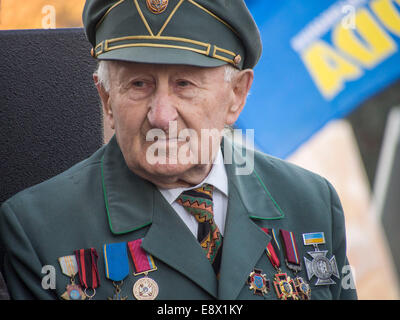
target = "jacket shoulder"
x: 62, y: 184
x: 294, y: 185
x: 285, y: 169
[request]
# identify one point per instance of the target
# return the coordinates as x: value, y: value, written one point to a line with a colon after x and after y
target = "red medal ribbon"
x: 142, y: 261
x: 272, y: 256
x: 272, y: 249
x: 87, y: 268
x: 291, y: 251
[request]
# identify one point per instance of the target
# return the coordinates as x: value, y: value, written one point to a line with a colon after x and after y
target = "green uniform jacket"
x: 100, y: 201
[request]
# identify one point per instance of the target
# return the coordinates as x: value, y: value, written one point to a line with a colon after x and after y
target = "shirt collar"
x: 217, y: 177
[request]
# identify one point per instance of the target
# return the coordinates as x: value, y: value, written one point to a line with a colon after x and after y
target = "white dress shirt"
x: 218, y: 178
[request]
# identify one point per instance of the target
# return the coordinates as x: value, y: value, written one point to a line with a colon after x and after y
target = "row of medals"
x: 285, y: 288
x: 144, y: 289
x: 296, y: 289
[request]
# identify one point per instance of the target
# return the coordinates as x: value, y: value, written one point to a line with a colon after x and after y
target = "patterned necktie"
x: 199, y: 203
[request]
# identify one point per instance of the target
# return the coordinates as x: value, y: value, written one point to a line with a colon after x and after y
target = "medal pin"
x: 283, y: 284
x: 293, y: 262
x: 69, y: 267
x: 144, y: 288
x: 88, y: 271
x: 321, y: 267
x: 116, y: 267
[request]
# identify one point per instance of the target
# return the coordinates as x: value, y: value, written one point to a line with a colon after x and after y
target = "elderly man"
x: 160, y: 212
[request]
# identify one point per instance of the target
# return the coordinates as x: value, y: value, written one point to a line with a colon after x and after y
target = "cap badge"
x: 157, y: 6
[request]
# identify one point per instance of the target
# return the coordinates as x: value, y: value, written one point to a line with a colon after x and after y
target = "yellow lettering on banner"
x: 387, y: 13
x: 329, y: 68
x: 375, y: 45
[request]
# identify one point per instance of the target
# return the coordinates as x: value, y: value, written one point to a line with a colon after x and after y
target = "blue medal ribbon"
x: 116, y: 261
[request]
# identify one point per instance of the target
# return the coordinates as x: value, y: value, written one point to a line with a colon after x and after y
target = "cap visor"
x: 161, y: 56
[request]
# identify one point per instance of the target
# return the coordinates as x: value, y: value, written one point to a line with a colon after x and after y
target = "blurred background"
x: 326, y: 97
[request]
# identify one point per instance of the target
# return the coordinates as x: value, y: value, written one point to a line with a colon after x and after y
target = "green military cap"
x: 205, y: 33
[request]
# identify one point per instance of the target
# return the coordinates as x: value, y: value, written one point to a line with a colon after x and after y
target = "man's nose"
x: 162, y: 109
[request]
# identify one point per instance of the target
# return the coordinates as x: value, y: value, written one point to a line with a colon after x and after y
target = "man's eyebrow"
x: 127, y: 76
x: 201, y: 76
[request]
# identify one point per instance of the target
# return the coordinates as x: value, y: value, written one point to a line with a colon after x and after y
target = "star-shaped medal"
x: 258, y: 282
x: 73, y: 292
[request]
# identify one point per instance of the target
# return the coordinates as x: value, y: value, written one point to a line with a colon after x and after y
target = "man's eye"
x: 138, y: 84
x: 183, y: 83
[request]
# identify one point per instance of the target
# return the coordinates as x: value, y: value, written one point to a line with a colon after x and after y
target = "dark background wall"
x: 50, y: 117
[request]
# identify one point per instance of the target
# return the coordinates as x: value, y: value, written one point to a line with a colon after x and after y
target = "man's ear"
x: 105, y: 101
x: 241, y: 84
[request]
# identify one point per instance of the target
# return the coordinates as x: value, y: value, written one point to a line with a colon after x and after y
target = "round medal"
x: 73, y: 292
x: 145, y: 289
x: 75, y: 295
x: 286, y: 287
x: 322, y: 267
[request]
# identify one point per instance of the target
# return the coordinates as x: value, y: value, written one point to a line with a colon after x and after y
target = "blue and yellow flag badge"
x: 313, y: 238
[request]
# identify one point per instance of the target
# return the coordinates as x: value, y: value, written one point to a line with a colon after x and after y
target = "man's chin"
x: 164, y: 170
x: 172, y: 175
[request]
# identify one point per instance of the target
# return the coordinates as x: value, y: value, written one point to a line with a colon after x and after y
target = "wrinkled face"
x: 167, y: 118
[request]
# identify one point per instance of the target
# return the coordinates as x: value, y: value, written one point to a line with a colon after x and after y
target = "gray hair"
x: 103, y: 73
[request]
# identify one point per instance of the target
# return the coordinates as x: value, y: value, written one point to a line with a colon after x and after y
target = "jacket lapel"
x: 128, y: 198
x: 244, y: 241
x: 171, y: 241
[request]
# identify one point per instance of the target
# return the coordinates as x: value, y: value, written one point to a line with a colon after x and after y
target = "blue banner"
x: 321, y: 59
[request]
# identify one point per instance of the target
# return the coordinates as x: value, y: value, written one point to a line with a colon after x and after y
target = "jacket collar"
x: 129, y: 199
x: 253, y: 193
